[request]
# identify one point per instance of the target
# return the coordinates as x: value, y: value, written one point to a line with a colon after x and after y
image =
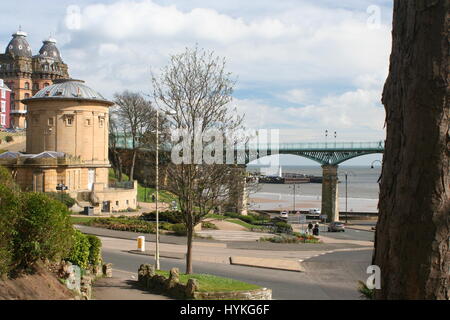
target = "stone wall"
x: 171, y: 286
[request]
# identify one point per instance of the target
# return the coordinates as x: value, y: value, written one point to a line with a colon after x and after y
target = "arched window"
x: 36, y: 86
x: 27, y: 95
x: 46, y: 84
x: 27, y: 86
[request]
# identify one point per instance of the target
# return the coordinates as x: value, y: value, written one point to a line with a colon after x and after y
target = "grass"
x: 164, y: 196
x: 210, y: 283
x: 244, y: 224
x: 81, y: 220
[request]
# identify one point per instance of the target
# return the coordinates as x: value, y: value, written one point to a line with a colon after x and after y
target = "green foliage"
x: 9, y: 210
x: 94, y: 249
x: 6, y: 178
x: 43, y: 230
x: 125, y: 224
x: 9, y: 139
x: 62, y: 197
x: 80, y: 252
x: 365, y: 292
x: 179, y: 229
x: 209, y: 225
x: 302, y: 238
x: 283, y: 227
x: 167, y: 216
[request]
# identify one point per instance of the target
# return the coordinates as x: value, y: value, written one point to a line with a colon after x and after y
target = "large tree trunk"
x: 412, y: 237
x: 190, y: 234
x: 133, y: 162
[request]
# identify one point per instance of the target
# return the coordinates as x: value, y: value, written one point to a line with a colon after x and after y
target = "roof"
x: 49, y: 50
x: 18, y: 46
x: 68, y: 89
x: 45, y: 154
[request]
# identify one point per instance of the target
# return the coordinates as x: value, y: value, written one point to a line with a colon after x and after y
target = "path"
x: 122, y: 286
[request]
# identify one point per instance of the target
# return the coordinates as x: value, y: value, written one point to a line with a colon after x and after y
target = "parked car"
x: 336, y: 227
x: 314, y: 211
x: 284, y: 215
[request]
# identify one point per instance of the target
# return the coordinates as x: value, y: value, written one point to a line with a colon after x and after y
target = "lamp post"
x: 293, y: 199
x: 346, y: 194
x: 61, y: 187
x: 157, y: 186
x: 371, y: 165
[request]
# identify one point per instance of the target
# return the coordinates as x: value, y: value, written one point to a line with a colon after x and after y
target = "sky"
x: 301, y: 66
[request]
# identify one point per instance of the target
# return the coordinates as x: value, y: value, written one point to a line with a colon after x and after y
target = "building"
x: 5, y: 104
x: 67, y: 143
x: 26, y: 74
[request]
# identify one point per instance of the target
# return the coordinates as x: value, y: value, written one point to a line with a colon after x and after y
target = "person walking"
x: 310, y: 228
x: 316, y: 230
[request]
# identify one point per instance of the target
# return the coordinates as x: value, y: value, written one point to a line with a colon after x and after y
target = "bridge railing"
x: 319, y: 146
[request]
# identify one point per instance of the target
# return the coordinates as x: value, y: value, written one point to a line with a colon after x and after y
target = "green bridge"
x: 328, y: 154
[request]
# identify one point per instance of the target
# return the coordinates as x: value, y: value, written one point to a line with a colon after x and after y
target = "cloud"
x: 300, y: 65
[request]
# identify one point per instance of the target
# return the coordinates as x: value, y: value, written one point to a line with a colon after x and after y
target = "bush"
x: 208, y: 225
x: 94, y: 250
x: 43, y: 230
x: 283, y: 227
x: 124, y: 224
x: 62, y: 197
x: 9, y: 139
x: 169, y: 216
x: 179, y: 229
x: 80, y: 252
x: 9, y: 204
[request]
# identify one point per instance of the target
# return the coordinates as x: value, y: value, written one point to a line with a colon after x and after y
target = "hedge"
x: 43, y: 230
x: 79, y: 253
x: 9, y: 204
x: 94, y: 250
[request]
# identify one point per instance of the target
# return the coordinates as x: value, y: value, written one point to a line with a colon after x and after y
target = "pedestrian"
x: 316, y: 230
x: 153, y: 197
x: 310, y: 228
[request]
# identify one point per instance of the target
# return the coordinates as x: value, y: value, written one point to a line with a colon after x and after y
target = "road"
x: 330, y: 276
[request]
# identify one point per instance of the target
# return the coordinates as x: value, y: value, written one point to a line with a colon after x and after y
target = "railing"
x: 122, y: 185
x: 317, y: 146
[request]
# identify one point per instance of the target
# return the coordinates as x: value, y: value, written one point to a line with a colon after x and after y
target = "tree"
x: 136, y: 116
x: 114, y: 136
x: 412, y: 235
x: 195, y: 91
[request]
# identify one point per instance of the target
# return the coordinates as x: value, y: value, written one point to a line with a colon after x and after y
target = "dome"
x: 49, y: 50
x: 18, y: 46
x: 69, y: 89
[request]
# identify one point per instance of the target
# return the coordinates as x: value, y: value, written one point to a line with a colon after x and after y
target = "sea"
x: 362, y: 189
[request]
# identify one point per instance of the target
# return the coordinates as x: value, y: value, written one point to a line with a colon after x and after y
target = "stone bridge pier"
x: 330, y: 196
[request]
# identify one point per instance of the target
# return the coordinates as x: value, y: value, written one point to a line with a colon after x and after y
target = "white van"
x: 284, y: 215
x: 314, y: 211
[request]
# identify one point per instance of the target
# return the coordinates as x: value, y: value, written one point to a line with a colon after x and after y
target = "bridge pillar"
x: 330, y: 196
x: 238, y: 198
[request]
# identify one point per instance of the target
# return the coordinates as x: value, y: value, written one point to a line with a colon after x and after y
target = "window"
x: 3, y: 94
x: 101, y: 122
x: 117, y: 203
x: 127, y: 202
x: 3, y: 120
x: 46, y: 84
x: 88, y: 122
x: 50, y: 121
x: 27, y: 85
x: 36, y: 86
x: 27, y: 95
x: 69, y: 121
x: 3, y: 106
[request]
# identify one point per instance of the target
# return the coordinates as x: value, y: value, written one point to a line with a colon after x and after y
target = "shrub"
x: 169, y: 216
x: 80, y: 251
x: 208, y: 225
x: 9, y: 204
x: 179, y: 229
x: 9, y: 139
x: 94, y: 249
x: 62, y: 197
x: 364, y: 291
x: 283, y: 227
x: 44, y: 230
x: 124, y: 224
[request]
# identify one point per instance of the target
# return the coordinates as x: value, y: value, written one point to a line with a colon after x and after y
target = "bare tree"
x: 412, y: 235
x: 136, y: 116
x: 114, y: 136
x: 196, y: 91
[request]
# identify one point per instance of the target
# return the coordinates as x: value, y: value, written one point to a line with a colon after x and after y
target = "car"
x: 284, y: 215
x: 336, y: 227
x: 314, y: 211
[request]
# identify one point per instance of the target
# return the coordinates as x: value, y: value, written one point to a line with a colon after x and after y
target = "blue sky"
x: 302, y: 66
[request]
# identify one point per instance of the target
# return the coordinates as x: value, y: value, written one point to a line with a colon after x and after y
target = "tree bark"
x: 190, y: 233
x: 412, y: 235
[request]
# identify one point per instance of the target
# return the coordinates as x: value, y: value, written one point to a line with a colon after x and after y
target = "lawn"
x: 210, y: 283
x: 81, y: 220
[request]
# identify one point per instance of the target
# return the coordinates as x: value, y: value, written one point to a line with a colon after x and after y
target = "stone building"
x: 26, y: 74
x: 67, y: 143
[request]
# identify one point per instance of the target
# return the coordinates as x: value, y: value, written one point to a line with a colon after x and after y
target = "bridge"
x: 328, y: 154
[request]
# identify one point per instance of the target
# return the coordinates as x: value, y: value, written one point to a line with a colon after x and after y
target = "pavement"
x: 122, y: 286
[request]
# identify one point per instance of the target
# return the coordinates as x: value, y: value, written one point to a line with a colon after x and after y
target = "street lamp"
x: 61, y: 187
x: 293, y: 187
x: 346, y: 194
x: 371, y: 165
x: 157, y: 186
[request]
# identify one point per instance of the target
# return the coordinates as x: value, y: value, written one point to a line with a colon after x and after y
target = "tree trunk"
x: 412, y: 235
x: 133, y: 161
x: 190, y: 233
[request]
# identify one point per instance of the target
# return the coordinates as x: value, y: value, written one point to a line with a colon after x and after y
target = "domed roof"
x: 49, y: 50
x: 69, y: 89
x: 18, y: 46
